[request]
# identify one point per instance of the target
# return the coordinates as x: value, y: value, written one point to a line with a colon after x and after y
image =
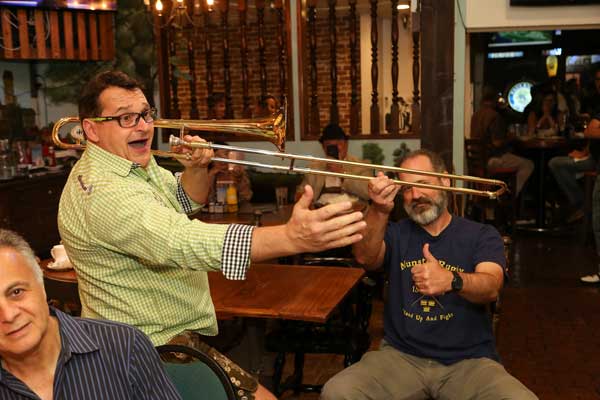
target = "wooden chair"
x: 196, y: 376
x: 477, y: 156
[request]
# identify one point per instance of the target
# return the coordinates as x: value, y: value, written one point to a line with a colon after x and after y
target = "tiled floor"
x: 549, y: 331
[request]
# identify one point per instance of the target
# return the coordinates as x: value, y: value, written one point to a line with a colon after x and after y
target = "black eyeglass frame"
x: 151, y: 113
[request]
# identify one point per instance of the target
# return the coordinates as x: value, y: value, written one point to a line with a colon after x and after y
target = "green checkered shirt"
x: 139, y: 259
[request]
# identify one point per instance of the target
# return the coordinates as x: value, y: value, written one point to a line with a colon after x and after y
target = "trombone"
x: 273, y: 129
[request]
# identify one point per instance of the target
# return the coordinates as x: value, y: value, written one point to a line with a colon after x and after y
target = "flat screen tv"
x: 91, y: 5
x: 520, y: 38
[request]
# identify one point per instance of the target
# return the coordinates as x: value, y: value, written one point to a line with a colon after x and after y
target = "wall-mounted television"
x: 520, y: 38
x: 552, y: 2
x: 91, y: 5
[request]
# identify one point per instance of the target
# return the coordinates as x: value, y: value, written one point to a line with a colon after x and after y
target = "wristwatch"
x: 457, y: 282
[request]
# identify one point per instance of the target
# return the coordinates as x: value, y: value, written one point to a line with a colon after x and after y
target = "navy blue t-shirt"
x: 446, y: 328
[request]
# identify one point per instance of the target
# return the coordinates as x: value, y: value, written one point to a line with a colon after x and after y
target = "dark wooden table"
x: 66, y: 276
x: 268, y: 215
x: 291, y: 292
x: 61, y: 289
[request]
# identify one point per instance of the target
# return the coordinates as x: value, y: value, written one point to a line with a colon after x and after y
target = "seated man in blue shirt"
x: 443, y: 270
x: 48, y: 354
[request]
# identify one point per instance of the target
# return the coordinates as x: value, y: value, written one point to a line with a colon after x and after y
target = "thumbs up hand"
x: 431, y: 278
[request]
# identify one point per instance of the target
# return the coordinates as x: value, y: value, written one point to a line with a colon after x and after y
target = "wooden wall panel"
x: 69, y: 45
x: 9, y: 51
x: 23, y: 34
x: 57, y: 34
x: 93, y: 29
x: 54, y: 36
x: 437, y: 64
x: 81, y: 36
x: 40, y: 34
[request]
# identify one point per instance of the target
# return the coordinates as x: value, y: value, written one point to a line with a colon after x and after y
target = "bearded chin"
x: 432, y: 213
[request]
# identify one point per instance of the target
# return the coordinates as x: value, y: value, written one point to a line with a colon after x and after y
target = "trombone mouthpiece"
x: 175, y: 141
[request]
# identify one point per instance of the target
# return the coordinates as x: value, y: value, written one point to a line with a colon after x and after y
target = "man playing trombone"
x: 443, y: 269
x: 138, y: 257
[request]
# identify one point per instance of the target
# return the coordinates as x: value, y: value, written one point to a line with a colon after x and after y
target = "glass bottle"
x: 232, y: 200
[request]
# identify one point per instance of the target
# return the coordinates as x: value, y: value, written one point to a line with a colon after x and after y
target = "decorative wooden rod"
x: 85, y: 36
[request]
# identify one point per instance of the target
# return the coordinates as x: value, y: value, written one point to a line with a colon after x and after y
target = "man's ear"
x: 446, y: 181
x: 90, y: 131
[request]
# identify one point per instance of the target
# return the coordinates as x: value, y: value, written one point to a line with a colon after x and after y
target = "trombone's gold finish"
x: 270, y: 128
x: 501, y: 186
x: 273, y: 130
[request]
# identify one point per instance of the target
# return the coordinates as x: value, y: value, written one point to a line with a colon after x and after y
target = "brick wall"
x: 344, y: 85
x: 216, y: 36
x: 272, y: 63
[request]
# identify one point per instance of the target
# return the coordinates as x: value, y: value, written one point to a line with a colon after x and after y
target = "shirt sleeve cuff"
x: 189, y: 206
x: 236, y: 251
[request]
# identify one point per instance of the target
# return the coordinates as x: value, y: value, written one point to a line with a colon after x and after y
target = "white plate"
x: 53, y: 265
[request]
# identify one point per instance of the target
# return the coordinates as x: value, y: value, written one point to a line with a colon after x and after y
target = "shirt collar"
x: 112, y: 162
x: 74, y: 338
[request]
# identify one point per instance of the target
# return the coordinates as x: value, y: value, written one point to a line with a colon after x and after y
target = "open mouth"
x: 138, y: 144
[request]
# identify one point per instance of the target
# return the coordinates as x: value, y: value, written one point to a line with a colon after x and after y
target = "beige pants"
x: 387, y: 374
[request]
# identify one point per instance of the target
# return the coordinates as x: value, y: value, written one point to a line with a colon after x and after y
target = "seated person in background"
x: 267, y: 105
x: 236, y: 173
x: 330, y: 189
x: 573, y: 99
x: 443, y: 270
x: 565, y: 170
x: 489, y: 126
x: 590, y: 104
x: 545, y: 119
x: 47, y: 354
x: 216, y: 106
x: 593, y: 132
x: 139, y: 259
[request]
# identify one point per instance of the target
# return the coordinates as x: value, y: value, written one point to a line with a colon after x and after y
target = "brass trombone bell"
x: 273, y: 129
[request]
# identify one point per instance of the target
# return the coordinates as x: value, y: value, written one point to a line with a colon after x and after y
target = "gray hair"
x: 14, y: 241
x: 437, y: 162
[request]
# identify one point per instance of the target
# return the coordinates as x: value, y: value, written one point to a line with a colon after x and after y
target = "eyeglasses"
x: 129, y: 120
